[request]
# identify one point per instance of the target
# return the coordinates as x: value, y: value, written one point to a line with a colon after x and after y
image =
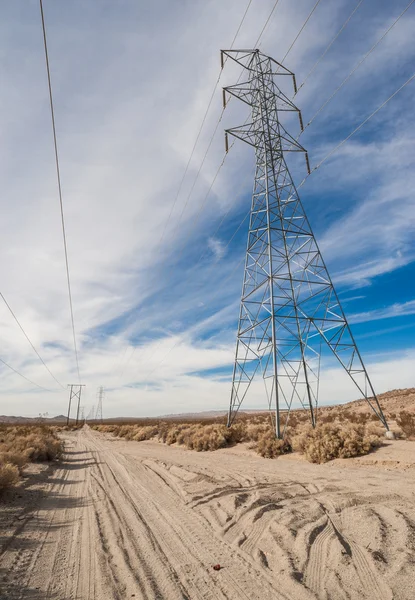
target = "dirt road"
x: 142, y: 520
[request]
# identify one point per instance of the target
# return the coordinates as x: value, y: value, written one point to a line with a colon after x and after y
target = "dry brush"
x: 23, y: 444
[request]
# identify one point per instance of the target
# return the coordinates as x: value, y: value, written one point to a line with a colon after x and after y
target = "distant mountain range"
x: 11, y: 419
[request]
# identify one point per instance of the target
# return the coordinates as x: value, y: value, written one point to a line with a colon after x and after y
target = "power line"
x: 199, y: 259
x: 301, y: 30
x: 59, y: 188
x: 29, y: 340
x: 213, y: 135
x: 200, y: 131
x: 338, y: 145
x: 220, y: 116
x: 357, y: 66
x: 24, y: 376
x: 191, y: 157
x: 330, y: 45
x: 265, y: 26
x: 210, y: 142
x: 240, y: 24
x: 359, y: 126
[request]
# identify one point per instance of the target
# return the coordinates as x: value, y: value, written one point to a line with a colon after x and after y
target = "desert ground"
x: 122, y: 519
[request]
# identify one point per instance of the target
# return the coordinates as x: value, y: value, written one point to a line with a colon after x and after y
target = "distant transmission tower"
x: 74, y: 394
x: 91, y: 415
x: 100, y: 396
x: 289, y: 307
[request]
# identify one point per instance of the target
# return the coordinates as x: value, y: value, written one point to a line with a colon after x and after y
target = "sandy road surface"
x: 141, y: 520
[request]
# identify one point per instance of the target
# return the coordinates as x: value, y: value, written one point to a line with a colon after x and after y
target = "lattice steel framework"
x: 100, y: 397
x: 74, y: 394
x: 289, y: 307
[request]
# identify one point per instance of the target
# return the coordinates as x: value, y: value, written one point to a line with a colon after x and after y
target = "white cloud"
x: 395, y: 310
x: 217, y: 248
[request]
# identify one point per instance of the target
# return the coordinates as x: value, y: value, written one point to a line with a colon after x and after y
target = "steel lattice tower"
x: 289, y: 307
x: 100, y: 395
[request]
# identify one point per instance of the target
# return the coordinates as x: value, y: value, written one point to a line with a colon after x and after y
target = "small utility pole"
x: 75, y: 392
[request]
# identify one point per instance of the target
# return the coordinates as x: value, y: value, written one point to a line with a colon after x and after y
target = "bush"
x: 329, y: 441
x: 22, y: 444
x: 9, y: 475
x: 145, y: 433
x: 270, y: 447
x: 406, y: 421
x: 18, y: 459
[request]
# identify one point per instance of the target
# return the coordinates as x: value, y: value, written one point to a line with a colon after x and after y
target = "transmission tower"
x: 74, y: 394
x: 100, y: 396
x: 289, y: 307
x: 91, y: 415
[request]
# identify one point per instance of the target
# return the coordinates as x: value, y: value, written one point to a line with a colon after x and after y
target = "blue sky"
x: 156, y: 314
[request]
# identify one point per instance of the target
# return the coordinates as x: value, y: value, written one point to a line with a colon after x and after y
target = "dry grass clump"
x: 200, y: 437
x: 9, y: 475
x: 406, y: 421
x: 329, y: 441
x: 21, y: 444
x: 145, y: 433
x: 270, y: 447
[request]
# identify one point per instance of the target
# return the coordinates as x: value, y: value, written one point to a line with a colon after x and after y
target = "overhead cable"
x: 330, y: 45
x: 301, y: 30
x: 24, y: 376
x: 358, y: 65
x: 200, y: 130
x: 29, y: 340
x: 59, y: 189
x: 200, y: 167
x: 266, y: 24
x: 323, y: 160
x: 359, y: 127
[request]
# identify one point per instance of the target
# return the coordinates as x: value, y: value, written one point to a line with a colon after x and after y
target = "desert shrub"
x: 40, y: 447
x: 22, y: 444
x: 329, y: 441
x: 19, y: 459
x: 145, y: 433
x: 270, y: 447
x: 255, y: 432
x: 30, y: 444
x: 374, y: 429
x: 237, y: 433
x: 9, y: 475
x: 125, y: 431
x: 209, y: 437
x: 406, y: 421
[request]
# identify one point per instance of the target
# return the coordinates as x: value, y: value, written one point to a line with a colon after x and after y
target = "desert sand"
x: 119, y: 519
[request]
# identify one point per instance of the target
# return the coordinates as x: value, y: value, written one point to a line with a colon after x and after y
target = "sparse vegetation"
x: 9, y: 474
x: 269, y: 447
x: 329, y: 441
x: 406, y: 421
x: 333, y: 437
x: 22, y: 444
